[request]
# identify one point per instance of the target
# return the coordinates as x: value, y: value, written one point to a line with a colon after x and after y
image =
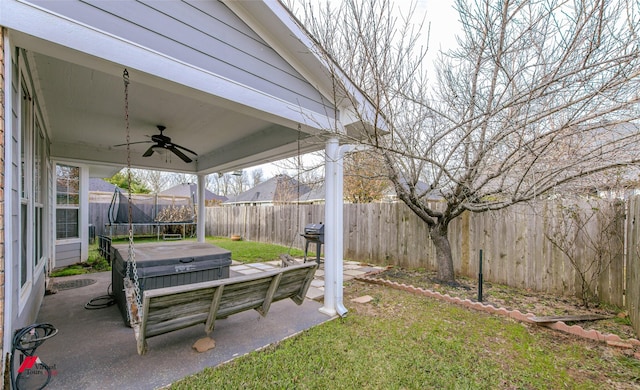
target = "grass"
x: 403, y: 341
x: 253, y: 252
x: 95, y: 263
x: 243, y: 251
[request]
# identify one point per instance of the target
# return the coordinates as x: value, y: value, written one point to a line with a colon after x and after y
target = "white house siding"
x: 205, y: 34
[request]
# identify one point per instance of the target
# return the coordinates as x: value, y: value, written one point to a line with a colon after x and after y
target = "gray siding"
x: 206, y: 34
x: 67, y: 254
x: 14, y: 198
x: 31, y: 308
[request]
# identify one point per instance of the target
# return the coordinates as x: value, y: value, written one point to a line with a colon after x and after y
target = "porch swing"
x: 153, y: 312
x: 131, y: 287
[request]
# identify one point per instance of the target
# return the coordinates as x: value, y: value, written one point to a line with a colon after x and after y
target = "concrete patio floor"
x: 95, y: 350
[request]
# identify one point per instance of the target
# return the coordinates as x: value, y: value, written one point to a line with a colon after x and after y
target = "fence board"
x: 633, y: 263
x: 515, y: 244
x: 515, y: 241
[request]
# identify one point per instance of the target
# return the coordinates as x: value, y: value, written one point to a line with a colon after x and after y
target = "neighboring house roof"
x: 421, y: 188
x: 280, y: 188
x: 191, y: 189
x: 315, y: 195
x: 100, y: 185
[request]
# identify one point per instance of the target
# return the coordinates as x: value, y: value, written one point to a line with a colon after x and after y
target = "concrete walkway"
x: 94, y: 350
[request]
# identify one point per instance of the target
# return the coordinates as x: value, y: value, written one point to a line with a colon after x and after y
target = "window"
x: 67, y: 201
x: 25, y: 132
x: 38, y: 193
x: 30, y: 151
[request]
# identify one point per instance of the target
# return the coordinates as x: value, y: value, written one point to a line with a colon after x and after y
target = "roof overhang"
x: 79, y: 74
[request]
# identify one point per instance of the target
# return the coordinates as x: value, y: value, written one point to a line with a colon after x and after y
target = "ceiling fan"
x: 161, y: 141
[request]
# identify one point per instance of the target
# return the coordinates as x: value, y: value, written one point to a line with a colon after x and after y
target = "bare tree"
x: 308, y: 169
x: 231, y: 184
x: 175, y: 178
x: 365, y: 178
x: 288, y: 190
x: 257, y: 177
x: 536, y: 97
x: 221, y: 184
x: 589, y: 251
x: 156, y: 181
x: 239, y: 183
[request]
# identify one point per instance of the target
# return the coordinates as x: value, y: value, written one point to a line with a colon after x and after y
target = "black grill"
x: 313, y: 233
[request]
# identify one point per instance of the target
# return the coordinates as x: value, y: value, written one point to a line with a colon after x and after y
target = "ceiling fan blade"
x: 132, y: 143
x: 185, y: 149
x: 179, y: 154
x: 149, y: 151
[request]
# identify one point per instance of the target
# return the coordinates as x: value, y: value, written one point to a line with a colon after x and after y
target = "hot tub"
x: 167, y: 264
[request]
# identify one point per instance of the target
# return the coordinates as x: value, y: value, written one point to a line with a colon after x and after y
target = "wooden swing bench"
x: 172, y: 308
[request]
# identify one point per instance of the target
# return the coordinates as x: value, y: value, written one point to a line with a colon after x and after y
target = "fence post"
x: 480, y: 278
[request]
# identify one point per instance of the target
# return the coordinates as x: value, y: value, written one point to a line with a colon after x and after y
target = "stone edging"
x: 576, y: 330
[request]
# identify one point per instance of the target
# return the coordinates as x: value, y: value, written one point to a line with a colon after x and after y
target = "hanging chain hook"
x: 131, y: 263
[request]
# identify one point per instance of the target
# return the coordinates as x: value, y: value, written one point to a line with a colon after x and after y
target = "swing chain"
x: 134, y: 268
x: 131, y: 263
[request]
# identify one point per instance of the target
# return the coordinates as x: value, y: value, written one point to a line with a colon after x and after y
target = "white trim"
x: 25, y: 184
x: 202, y: 217
x: 8, y: 209
x: 83, y: 211
x: 83, y: 214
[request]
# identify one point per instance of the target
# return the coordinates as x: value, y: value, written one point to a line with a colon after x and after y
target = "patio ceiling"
x: 78, y: 71
x: 85, y: 114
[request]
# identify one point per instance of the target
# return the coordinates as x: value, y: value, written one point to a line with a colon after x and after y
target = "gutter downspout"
x: 200, y: 223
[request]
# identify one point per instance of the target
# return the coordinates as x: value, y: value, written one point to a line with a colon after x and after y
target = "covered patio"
x: 230, y: 84
x: 94, y: 349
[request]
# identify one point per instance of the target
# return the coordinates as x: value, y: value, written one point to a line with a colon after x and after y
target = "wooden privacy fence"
x: 551, y: 246
x: 633, y: 263
x: 150, y: 204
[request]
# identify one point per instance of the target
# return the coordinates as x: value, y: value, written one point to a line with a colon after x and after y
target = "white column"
x: 340, y: 228
x: 200, y: 224
x: 83, y: 213
x: 333, y: 231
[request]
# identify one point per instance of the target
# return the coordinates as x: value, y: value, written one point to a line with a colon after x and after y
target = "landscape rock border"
x: 611, y: 340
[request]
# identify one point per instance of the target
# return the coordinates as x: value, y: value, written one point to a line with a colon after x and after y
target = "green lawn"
x: 95, y: 263
x: 404, y: 341
x: 253, y: 252
x: 243, y: 251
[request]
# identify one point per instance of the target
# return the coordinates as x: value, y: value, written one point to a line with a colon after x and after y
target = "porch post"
x: 200, y: 223
x: 333, y: 231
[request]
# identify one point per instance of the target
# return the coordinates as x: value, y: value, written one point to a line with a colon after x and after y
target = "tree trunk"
x: 443, y: 253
